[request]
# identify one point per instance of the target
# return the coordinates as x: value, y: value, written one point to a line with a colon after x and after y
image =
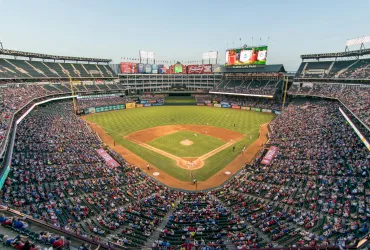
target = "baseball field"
x: 180, y: 141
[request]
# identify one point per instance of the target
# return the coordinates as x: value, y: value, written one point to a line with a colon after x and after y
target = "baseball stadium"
x: 226, y: 151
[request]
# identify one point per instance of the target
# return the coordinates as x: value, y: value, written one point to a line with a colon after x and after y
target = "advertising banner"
x: 270, y: 155
x: 128, y: 68
x: 130, y: 105
x: 91, y: 110
x: 162, y: 69
x: 147, y: 105
x: 108, y: 108
x: 148, y: 68
x: 139, y: 105
x: 267, y: 110
x: 243, y: 108
x: 200, y: 69
x: 152, y: 101
x: 209, y: 104
x: 200, y: 104
x: 217, y: 105
x: 154, y: 69
x: 225, y: 105
x: 277, y: 112
x: 143, y: 101
x: 244, y: 57
x: 157, y: 104
x: 256, y: 109
x: 108, y: 159
x: 141, y: 68
x: 235, y: 107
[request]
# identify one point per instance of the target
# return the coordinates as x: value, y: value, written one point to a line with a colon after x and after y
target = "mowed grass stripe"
x: 123, y: 122
x: 202, y: 144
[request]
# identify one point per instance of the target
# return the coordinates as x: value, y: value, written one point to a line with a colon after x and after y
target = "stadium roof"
x: 275, y: 68
x: 44, y: 56
x: 355, y: 53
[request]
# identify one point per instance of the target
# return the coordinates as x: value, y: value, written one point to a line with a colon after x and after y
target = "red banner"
x: 200, y: 69
x: 235, y: 107
x: 108, y: 159
x: 200, y: 104
x: 128, y: 68
x: 270, y: 155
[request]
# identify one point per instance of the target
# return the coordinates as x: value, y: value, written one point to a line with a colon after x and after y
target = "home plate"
x: 227, y: 172
x: 156, y: 173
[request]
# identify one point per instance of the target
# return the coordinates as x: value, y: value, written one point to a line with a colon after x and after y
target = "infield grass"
x: 123, y: 122
x: 202, y: 144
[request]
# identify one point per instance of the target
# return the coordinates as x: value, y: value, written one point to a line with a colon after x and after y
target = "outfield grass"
x: 123, y: 122
x: 202, y: 144
x: 179, y: 99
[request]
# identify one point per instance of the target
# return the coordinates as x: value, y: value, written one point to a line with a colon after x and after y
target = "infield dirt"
x: 214, y: 181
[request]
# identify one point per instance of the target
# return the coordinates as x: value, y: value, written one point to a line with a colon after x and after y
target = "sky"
x: 181, y: 30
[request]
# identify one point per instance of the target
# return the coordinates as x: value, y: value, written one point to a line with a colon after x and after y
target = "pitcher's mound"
x: 186, y: 142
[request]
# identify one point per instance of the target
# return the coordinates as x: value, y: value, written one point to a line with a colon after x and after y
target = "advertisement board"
x: 148, y: 68
x: 162, y: 69
x: 109, y: 108
x: 225, y: 105
x: 130, y: 105
x: 256, y: 109
x: 157, y: 104
x: 200, y: 69
x: 128, y: 68
x: 91, y: 110
x: 154, y: 69
x: 144, y: 101
x: 147, y: 105
x: 217, y: 105
x: 267, y: 110
x: 270, y: 155
x: 209, y: 104
x: 139, y: 105
x: 200, y: 104
x: 277, y: 112
x: 235, y: 107
x: 177, y: 68
x: 244, y: 57
x: 243, y: 108
x: 141, y: 68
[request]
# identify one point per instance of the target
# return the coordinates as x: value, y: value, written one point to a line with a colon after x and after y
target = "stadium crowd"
x: 355, y: 97
x: 315, y: 192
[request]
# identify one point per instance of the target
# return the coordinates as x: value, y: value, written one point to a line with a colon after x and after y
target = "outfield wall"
x: 132, y: 105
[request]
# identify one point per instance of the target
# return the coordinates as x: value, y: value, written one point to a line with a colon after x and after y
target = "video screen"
x: 246, y: 56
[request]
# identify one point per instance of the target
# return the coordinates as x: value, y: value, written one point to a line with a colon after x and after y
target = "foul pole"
x: 73, y: 93
x: 285, y: 90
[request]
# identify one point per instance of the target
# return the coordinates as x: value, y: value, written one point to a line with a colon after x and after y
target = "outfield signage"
x: 217, y: 105
x: 157, y: 104
x: 235, y: 107
x: 267, y: 110
x: 106, y: 108
x: 200, y: 104
x: 225, y: 105
x: 139, y: 105
x: 270, y: 155
x: 147, y: 105
x: 256, y: 109
x: 108, y: 159
x: 130, y: 105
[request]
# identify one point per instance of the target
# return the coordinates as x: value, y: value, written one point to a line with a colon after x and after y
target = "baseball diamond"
x: 154, y: 134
